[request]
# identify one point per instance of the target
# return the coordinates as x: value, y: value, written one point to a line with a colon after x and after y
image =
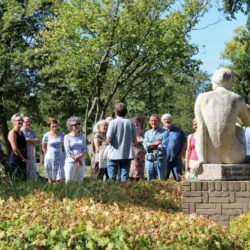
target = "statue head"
x: 223, y: 77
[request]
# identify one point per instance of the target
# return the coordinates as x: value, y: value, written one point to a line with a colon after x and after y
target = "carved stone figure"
x: 220, y: 116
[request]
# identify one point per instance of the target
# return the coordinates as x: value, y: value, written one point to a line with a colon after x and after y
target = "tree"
x: 20, y: 21
x: 238, y: 52
x: 232, y: 7
x: 103, y: 51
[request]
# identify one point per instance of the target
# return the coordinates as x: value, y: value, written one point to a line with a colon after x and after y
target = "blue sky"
x: 212, y: 40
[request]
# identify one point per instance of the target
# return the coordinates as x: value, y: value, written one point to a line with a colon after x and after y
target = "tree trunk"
x: 4, y: 135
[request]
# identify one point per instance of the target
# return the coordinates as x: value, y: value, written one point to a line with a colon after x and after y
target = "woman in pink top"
x: 192, y: 163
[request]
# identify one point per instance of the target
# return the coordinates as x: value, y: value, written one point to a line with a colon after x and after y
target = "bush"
x: 239, y: 230
x: 104, y: 215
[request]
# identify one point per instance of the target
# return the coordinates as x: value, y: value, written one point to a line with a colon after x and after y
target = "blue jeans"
x: 114, y: 165
x: 174, y: 167
x: 156, y: 170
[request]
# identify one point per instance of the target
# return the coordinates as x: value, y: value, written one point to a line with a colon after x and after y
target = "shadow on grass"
x: 155, y: 194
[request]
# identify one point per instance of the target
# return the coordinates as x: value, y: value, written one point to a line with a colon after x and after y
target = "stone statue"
x: 220, y: 116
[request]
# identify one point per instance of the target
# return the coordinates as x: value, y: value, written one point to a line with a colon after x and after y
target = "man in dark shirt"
x: 175, y: 145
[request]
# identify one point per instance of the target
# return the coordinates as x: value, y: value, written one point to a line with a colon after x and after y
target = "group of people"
x: 57, y: 167
x: 121, y: 149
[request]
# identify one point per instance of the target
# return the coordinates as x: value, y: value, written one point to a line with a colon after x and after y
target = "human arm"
x: 84, y: 149
x: 183, y: 145
x: 148, y: 144
x: 188, y: 152
x: 109, y: 134
x: 244, y: 114
x: 96, y: 143
x: 34, y: 141
x: 44, y: 144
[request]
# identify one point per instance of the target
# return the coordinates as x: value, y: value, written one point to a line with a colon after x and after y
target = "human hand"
x: 26, y: 161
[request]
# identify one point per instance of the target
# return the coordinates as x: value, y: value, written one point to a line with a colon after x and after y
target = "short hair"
x: 222, y: 77
x: 13, y: 117
x: 154, y: 115
x: 51, y: 120
x: 97, y: 126
x: 109, y: 119
x: 120, y: 109
x: 72, y: 120
x: 167, y: 116
x: 27, y: 117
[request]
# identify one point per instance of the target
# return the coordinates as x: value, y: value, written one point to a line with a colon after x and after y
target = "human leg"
x: 70, y: 171
x: 112, y: 167
x: 124, y: 168
x: 31, y: 170
x: 161, y: 169
x: 80, y: 171
x: 168, y: 169
x: 174, y: 168
x: 151, y: 171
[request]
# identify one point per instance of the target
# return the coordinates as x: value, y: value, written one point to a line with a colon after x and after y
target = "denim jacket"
x: 152, y: 136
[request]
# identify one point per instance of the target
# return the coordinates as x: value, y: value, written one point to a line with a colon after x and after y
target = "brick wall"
x: 220, y: 201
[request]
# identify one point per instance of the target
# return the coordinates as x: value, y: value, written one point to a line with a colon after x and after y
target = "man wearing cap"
x: 175, y: 145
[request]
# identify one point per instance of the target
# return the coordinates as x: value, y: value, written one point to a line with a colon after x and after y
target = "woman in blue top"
x: 52, y: 148
x: 75, y: 147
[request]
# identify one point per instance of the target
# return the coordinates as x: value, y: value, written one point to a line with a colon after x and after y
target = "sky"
x: 212, y: 39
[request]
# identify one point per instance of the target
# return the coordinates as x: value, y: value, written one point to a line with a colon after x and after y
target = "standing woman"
x: 52, y: 144
x: 136, y: 171
x: 100, y: 164
x: 75, y: 147
x: 192, y: 163
x: 18, y: 158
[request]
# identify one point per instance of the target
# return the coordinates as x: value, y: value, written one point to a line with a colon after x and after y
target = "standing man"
x: 175, y: 146
x: 31, y: 140
x: 155, y: 154
x: 120, y: 135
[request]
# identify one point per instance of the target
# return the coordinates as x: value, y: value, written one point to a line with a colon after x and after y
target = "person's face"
x: 154, y: 122
x: 18, y: 122
x: 167, y: 122
x: 194, y: 124
x: 75, y: 127
x: 137, y: 124
x: 53, y: 126
x: 26, y: 123
x: 103, y: 127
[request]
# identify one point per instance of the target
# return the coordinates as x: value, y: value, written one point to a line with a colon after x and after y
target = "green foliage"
x: 238, y: 52
x: 103, y: 215
x: 102, y: 52
x: 232, y: 7
x: 240, y: 231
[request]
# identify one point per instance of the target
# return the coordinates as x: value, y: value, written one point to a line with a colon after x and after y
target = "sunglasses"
x: 19, y: 120
x: 168, y: 122
x: 76, y: 124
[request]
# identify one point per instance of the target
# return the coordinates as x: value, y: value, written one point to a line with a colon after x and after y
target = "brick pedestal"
x: 220, y: 201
